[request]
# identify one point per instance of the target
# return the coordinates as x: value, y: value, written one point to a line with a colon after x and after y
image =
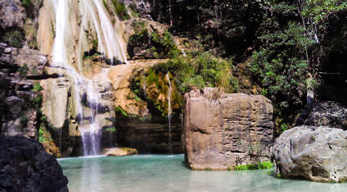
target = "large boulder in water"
x: 25, y: 166
x: 221, y: 131
x: 313, y: 153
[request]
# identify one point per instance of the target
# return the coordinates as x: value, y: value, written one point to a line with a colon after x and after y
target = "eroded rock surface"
x: 20, y: 71
x: 12, y: 14
x: 314, y: 153
x: 25, y: 166
x: 326, y: 113
x: 221, y: 131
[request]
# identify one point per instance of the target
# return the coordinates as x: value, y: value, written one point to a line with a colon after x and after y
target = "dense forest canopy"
x: 289, y: 47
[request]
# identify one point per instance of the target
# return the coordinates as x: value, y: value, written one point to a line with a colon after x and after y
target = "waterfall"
x: 86, y: 93
x: 169, y: 113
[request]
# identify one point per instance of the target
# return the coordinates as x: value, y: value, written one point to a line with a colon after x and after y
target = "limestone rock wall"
x: 221, y: 130
x: 20, y: 70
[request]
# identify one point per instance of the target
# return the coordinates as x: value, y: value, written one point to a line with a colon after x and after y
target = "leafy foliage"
x: 120, y: 9
x: 203, y: 69
x: 282, y: 77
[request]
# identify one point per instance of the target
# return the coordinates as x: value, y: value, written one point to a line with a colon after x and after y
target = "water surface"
x: 159, y: 173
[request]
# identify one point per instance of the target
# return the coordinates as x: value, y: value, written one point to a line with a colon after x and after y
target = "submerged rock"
x: 120, y: 151
x: 25, y: 166
x: 222, y: 131
x: 313, y: 153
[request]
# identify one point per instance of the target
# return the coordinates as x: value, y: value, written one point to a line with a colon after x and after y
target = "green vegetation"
x: 203, y: 69
x: 260, y: 165
x: 110, y: 129
x: 166, y: 43
x: 85, y: 56
x: 120, y: 9
x: 287, y: 47
x: 120, y: 110
x: 152, y: 87
x: 160, y: 46
x: 41, y: 134
x: 26, y: 3
x: 37, y: 87
x: 13, y: 38
x: 43, y: 118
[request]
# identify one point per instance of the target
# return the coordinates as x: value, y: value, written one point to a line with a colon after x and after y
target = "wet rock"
x: 25, y: 166
x: 149, y: 135
x: 313, y: 153
x: 221, y: 131
x: 120, y: 151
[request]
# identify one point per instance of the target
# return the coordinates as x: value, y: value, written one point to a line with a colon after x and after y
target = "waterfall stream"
x: 86, y: 95
x: 169, y: 113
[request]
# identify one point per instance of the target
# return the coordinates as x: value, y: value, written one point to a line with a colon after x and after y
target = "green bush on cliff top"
x: 203, y: 69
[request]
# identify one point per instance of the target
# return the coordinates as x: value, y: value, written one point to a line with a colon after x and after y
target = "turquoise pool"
x: 159, y: 173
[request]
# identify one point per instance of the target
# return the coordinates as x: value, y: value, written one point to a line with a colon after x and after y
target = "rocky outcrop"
x: 25, y: 166
x: 221, y: 131
x: 116, y: 151
x: 19, y: 22
x: 138, y: 121
x: 313, y: 153
x: 12, y: 14
x: 325, y: 113
x: 20, y: 90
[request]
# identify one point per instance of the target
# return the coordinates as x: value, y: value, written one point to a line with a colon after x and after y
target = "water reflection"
x: 90, y: 176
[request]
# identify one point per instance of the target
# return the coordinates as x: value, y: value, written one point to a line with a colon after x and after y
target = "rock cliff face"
x: 138, y: 124
x: 313, y: 153
x: 42, y: 95
x: 221, y: 131
x: 25, y: 166
x: 19, y: 85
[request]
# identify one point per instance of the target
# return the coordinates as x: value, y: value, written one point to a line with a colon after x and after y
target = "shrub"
x: 201, y: 70
x: 41, y: 135
x: 13, y: 38
x: 260, y: 165
x: 26, y: 3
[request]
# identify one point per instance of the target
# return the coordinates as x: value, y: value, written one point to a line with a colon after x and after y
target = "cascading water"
x: 86, y: 93
x: 169, y: 114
